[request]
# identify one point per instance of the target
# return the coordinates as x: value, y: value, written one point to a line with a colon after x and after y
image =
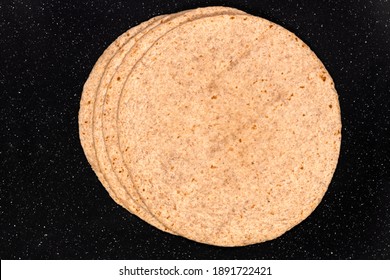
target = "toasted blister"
x: 230, y: 128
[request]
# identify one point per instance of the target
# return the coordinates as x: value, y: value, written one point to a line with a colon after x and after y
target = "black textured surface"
x: 52, y: 205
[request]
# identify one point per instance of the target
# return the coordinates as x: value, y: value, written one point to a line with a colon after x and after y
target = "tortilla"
x: 106, y: 141
x: 88, y: 100
x: 230, y: 127
x: 119, y: 48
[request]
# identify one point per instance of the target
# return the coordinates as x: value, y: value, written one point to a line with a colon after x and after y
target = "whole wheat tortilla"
x: 111, y: 183
x: 88, y: 100
x: 106, y: 141
x: 100, y: 149
x: 230, y: 126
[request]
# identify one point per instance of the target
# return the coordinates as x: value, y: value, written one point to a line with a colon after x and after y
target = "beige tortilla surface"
x: 230, y: 127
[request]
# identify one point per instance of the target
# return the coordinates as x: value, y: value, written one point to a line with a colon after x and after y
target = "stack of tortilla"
x: 212, y: 124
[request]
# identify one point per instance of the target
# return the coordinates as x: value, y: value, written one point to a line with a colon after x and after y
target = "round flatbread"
x: 100, y: 148
x: 106, y: 141
x: 230, y: 126
x: 88, y: 101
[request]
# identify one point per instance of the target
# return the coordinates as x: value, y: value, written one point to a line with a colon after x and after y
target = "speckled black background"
x: 52, y: 205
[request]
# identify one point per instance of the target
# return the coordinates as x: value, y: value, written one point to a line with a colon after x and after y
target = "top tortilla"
x: 230, y: 126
